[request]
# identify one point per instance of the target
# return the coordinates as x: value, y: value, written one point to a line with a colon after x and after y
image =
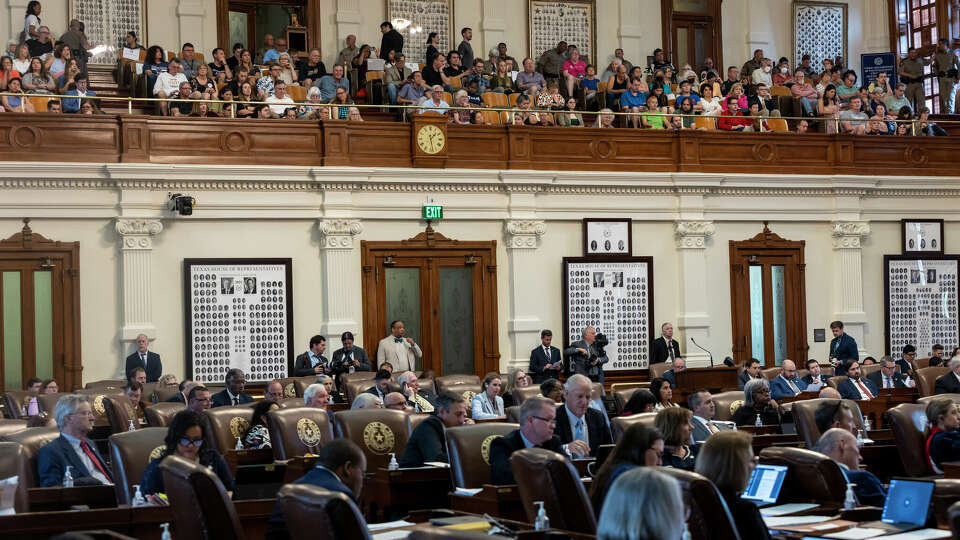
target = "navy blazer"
x: 780, y: 388
x: 277, y: 526
x: 744, y: 378
x: 538, y: 359
x: 222, y: 399
x: 53, y: 458
x: 869, y: 490
x: 154, y: 367
x: 808, y: 379
x: 597, y: 430
x: 844, y: 348
x: 659, y: 352
x: 849, y: 391
x: 947, y: 384
x: 877, y: 379
x: 500, y: 450
x: 337, y: 367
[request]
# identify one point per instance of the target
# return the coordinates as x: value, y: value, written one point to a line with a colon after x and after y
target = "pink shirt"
x: 575, y: 69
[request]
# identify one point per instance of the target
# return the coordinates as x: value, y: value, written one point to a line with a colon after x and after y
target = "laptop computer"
x: 765, y: 484
x: 906, y: 507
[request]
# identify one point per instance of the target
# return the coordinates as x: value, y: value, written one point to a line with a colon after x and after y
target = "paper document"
x: 437, y: 464
x: 389, y: 525
x: 774, y: 522
x: 856, y: 533
x: 391, y: 535
x: 131, y: 54
x: 919, y: 534
x: 470, y: 492
x: 784, y: 509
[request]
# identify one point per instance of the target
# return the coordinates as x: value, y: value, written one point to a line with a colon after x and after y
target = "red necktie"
x: 93, y: 458
x: 864, y: 389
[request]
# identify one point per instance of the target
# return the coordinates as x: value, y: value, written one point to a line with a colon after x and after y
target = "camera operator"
x: 587, y: 356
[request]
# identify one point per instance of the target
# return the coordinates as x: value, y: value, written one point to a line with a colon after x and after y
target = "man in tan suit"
x: 401, y: 352
x: 395, y: 76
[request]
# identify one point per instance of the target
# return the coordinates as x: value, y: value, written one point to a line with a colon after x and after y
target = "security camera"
x: 181, y: 204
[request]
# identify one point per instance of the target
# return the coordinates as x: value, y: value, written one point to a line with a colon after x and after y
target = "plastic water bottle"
x: 543, y: 522
x: 166, y: 532
x: 759, y: 421
x: 138, y: 499
x: 866, y: 423
x: 67, y: 477
x: 393, y: 462
x: 850, y: 500
x: 131, y: 426
x: 239, y: 444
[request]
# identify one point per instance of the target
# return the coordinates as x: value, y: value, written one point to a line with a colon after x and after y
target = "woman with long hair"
x: 488, y: 404
x: 37, y: 80
x: 154, y: 63
x: 257, y: 435
x: 640, y: 446
x: 16, y: 103
x: 247, y: 101
x: 726, y: 459
x: 21, y: 62
x: 360, y: 63
x: 433, y: 44
x: 31, y: 21
x: 943, y: 433
x: 246, y: 64
x: 69, y: 76
x: 829, y: 108
x: 517, y: 379
x: 7, y: 73
x: 186, y: 437
x: 642, y: 401
x: 663, y: 392
x: 288, y: 73
x: 203, y: 82
x: 56, y: 63
x: 674, y: 424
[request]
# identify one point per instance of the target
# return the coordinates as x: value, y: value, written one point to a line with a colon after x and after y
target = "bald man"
x: 787, y: 383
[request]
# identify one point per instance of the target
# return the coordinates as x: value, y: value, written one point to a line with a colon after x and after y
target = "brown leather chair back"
x: 14, y: 401
x: 444, y: 382
x: 355, y: 387
x: 908, y: 421
x: 8, y: 426
x: 295, y: 431
x: 160, y: 414
x: 201, y: 508
x: 32, y: 440
x: 106, y: 383
x: 130, y: 453
x: 521, y: 394
x: 414, y: 419
x: 148, y: 390
x: 119, y: 413
x: 300, y: 384
x: 811, y: 476
x: 727, y: 403
x: 291, y: 403
x: 867, y: 370
x: 14, y: 462
x: 513, y: 414
x: 920, y: 363
x: 358, y: 376
x: 162, y: 393
x: 48, y: 402
x: 926, y: 400
x: 710, y: 518
x: 770, y: 373
x: 620, y: 424
x: 621, y: 397
x: 314, y: 513
x: 946, y: 491
x: 289, y: 388
x: 805, y: 421
x: 228, y: 423
x: 658, y: 369
x: 835, y: 381
x: 547, y: 476
x: 377, y: 432
x: 827, y: 370
x: 466, y: 390
x: 954, y: 516
x: 927, y: 379
x: 468, y: 449
x: 98, y: 398
x: 429, y: 384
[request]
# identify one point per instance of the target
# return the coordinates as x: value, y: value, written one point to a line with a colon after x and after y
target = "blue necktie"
x: 578, y: 433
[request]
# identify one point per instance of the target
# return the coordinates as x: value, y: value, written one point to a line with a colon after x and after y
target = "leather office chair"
x: 32, y: 440
x: 14, y: 402
x: 513, y: 414
x: 314, y: 513
x: 106, y: 383
x: 358, y: 376
x: 521, y: 394
x: 201, y: 508
x: 953, y: 514
x: 945, y: 492
x: 926, y: 400
x: 162, y: 393
x: 289, y: 388
x: 119, y: 413
x: 621, y: 397
x: 151, y: 387
x: 827, y: 369
x: 130, y: 453
x: 48, y: 402
x: 811, y: 476
x: 14, y: 462
x: 908, y: 421
x: 445, y: 382
x: 835, y: 381
x: 468, y: 449
x: 160, y: 414
x: 726, y: 403
x: 771, y: 373
x: 620, y: 424
x: 867, y: 370
x: 804, y: 418
x: 296, y: 431
x: 927, y: 379
x: 710, y: 518
x: 414, y: 419
x: 465, y: 389
x: 547, y: 476
x: 430, y: 384
x: 8, y: 426
x: 300, y: 384
x: 228, y: 423
x: 291, y: 403
x: 920, y: 363
x: 98, y: 398
x: 658, y: 369
x: 355, y: 387
x: 377, y: 432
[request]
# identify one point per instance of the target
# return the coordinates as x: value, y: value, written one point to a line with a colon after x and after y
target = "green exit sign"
x: 432, y: 211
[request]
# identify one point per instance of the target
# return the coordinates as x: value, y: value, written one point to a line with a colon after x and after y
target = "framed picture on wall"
x: 921, y: 236
x: 921, y: 299
x: 607, y: 237
x: 573, y: 21
x: 107, y: 23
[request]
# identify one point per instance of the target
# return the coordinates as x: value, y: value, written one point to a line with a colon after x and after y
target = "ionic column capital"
x: 848, y: 234
x: 339, y: 233
x: 524, y: 233
x: 693, y: 234
x: 137, y: 233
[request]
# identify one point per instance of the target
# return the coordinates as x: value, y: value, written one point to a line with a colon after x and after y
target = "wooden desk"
x: 498, y: 501
x: 764, y: 441
x: 883, y: 460
x: 887, y: 398
x: 389, y: 495
x: 760, y: 430
x: 714, y: 379
x: 524, y: 529
x: 799, y: 397
x: 52, y: 499
x: 951, y: 469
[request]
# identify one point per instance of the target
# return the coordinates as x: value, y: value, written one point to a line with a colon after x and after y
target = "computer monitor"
x: 765, y: 483
x: 907, y: 501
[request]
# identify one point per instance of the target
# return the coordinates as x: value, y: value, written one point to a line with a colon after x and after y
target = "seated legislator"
x: 366, y: 401
x: 943, y: 440
x: 704, y: 408
x: 395, y: 401
x: 642, y: 401
x: 726, y: 459
x: 643, y: 504
x: 545, y: 360
x: 552, y: 389
x: 751, y: 370
x: 577, y: 421
x: 679, y: 366
x: 417, y: 399
x: 340, y: 467
x: 888, y: 376
x: 949, y: 383
x: 856, y: 387
x: 518, y: 378
x: 674, y: 424
x: 641, y: 446
x: 787, y: 383
x: 488, y: 405
x: 828, y: 392
x: 233, y: 394
x: 134, y: 393
x: 757, y: 403
x: 663, y: 391
x: 841, y: 446
x: 830, y: 415
x: 72, y: 448
x: 428, y: 442
x: 815, y: 379
x: 381, y: 384
x: 538, y: 416
x: 330, y: 386
x: 273, y: 391
x: 257, y: 435
x: 186, y: 438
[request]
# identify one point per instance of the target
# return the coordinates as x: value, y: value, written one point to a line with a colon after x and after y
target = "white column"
x: 136, y: 251
x: 17, y: 10
x: 848, y: 277
x: 524, y: 325
x: 630, y: 34
x: 492, y: 27
x: 190, y: 14
x: 341, y: 284
x: 693, y: 314
x: 348, y: 22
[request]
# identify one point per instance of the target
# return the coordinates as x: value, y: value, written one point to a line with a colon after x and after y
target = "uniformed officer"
x: 911, y: 73
x: 946, y: 65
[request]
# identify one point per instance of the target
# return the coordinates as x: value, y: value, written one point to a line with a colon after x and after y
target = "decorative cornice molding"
x: 848, y: 234
x: 524, y: 233
x: 693, y: 234
x: 136, y: 233
x: 339, y: 233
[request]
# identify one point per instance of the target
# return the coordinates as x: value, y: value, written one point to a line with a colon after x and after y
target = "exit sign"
x: 432, y: 211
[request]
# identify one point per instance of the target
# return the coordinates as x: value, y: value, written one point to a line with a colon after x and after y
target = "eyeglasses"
x: 552, y: 421
x: 187, y: 442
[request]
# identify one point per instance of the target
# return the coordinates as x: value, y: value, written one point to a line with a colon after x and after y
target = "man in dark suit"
x: 906, y: 360
x: 750, y: 371
x: 428, y: 441
x: 340, y: 467
x: 949, y: 383
x: 679, y: 366
x: 814, y: 379
x: 381, y: 385
x: 584, y: 357
x: 142, y: 358
x: 841, y: 446
x: 181, y: 396
x: 704, y: 408
x: 786, y: 383
x: 418, y: 399
x: 545, y: 360
x: 349, y: 358
x: 833, y: 413
x: 233, y: 394
x: 888, y: 376
x: 843, y: 348
x: 664, y: 347
x: 577, y: 422
x: 72, y: 448
x: 537, y: 416
x: 856, y: 387
x: 312, y: 362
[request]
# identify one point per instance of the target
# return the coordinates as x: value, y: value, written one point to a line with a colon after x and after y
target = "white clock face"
x: 430, y: 139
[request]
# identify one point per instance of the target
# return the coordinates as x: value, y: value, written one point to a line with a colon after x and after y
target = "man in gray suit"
x: 585, y: 358
x: 703, y: 406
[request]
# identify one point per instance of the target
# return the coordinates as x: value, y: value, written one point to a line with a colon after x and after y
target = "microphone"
x: 702, y: 349
x: 728, y: 362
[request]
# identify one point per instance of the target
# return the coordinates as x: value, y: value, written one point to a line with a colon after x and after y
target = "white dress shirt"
x: 573, y: 425
x: 85, y: 459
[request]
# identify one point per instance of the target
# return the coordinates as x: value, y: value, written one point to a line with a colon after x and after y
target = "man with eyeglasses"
x: 41, y: 46
x: 72, y: 448
x: 538, y: 418
x: 199, y: 400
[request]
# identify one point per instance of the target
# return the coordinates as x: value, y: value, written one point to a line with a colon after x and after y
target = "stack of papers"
x: 388, y: 525
x: 777, y: 522
x: 469, y: 492
x: 785, y: 509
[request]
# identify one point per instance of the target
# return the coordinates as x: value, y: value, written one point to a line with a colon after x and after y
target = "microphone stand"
x: 702, y: 349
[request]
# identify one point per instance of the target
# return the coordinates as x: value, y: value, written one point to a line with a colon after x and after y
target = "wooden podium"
x: 714, y: 379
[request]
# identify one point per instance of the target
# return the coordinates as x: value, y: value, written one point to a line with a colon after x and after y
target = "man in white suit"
x: 401, y: 352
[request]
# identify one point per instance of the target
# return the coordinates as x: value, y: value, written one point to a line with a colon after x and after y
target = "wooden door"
x: 445, y: 293
x: 691, y: 31
x: 692, y: 41
x: 39, y: 311
x: 247, y: 13
x: 768, y: 300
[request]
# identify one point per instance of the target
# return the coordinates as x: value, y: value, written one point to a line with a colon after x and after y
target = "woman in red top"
x: 573, y: 69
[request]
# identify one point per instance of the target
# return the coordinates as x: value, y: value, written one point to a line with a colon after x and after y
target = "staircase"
x: 104, y: 83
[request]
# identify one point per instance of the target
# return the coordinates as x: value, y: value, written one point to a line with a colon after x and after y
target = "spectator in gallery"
x: 551, y: 99
x: 392, y: 40
x: 501, y: 81
x: 463, y: 115
x: 37, y: 80
x: 328, y: 84
x: 571, y: 116
x: 183, y: 106
x: 168, y: 84
x: 573, y: 69
x: 16, y: 103
x: 529, y: 80
x: 604, y: 119
x: 396, y: 76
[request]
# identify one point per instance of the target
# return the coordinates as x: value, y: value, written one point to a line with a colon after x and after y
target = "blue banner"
x: 872, y: 64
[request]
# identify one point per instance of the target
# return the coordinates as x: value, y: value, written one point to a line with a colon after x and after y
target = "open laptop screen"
x: 765, y: 483
x: 907, y: 501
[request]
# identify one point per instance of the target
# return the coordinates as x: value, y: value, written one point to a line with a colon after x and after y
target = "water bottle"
x: 166, y: 532
x: 239, y: 445
x: 393, y: 462
x: 543, y: 522
x: 850, y: 500
x: 67, y: 477
x: 859, y: 437
x: 866, y: 423
x: 138, y: 499
x: 131, y: 426
x: 759, y: 421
